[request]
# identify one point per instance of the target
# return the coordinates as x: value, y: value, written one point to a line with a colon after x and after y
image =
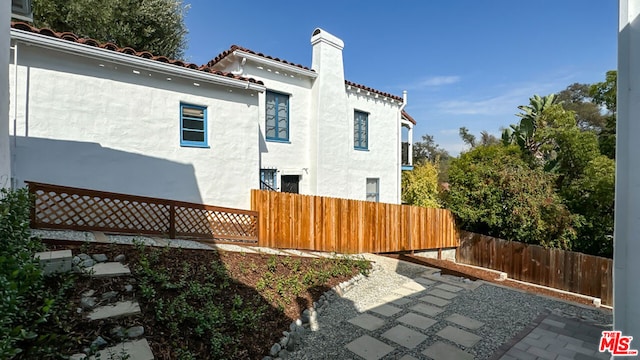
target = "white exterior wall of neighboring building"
x: 5, y: 157
x: 110, y: 126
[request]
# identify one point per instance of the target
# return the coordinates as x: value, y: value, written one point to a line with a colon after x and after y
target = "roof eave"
x: 275, y: 64
x: 130, y: 60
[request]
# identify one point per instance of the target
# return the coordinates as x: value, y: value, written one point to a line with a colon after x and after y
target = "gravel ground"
x: 504, y: 311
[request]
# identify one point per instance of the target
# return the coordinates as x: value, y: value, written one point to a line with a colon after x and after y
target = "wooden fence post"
x: 172, y: 221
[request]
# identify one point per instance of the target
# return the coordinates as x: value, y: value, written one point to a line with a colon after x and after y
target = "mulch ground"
x: 244, y: 271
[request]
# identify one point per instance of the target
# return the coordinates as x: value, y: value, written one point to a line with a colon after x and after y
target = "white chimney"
x: 330, y: 116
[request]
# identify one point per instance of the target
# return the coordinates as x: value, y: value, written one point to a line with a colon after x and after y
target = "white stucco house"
x: 97, y: 116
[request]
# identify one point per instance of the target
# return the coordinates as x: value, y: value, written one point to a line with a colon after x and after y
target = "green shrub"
x: 32, y: 307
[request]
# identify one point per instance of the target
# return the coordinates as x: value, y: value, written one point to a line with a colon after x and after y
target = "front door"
x: 290, y: 183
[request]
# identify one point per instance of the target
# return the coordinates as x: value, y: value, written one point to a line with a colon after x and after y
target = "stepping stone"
x: 405, y: 291
x: 405, y: 336
x: 122, y: 308
x: 369, y: 348
x: 465, y: 321
x: 449, y: 288
x: 424, y: 281
x: 426, y: 309
x: 55, y: 261
x: 109, y: 269
x: 367, y: 322
x: 435, y: 300
x: 458, y: 336
x: 442, y: 351
x: 416, y: 320
x: 443, y: 294
x: 396, y: 299
x: 386, y: 310
x: 138, y: 350
x: 413, y: 285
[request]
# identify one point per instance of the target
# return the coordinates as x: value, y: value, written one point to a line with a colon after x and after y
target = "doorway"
x: 290, y: 183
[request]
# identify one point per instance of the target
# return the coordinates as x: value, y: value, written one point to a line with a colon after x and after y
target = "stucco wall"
x: 321, y: 121
x: 380, y: 159
x: 99, y: 125
x: 292, y: 157
x: 5, y: 164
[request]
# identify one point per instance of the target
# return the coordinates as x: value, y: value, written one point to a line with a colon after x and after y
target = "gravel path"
x: 504, y: 312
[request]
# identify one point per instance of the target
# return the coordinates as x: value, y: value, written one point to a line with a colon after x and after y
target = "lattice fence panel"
x: 80, y: 211
x: 215, y: 224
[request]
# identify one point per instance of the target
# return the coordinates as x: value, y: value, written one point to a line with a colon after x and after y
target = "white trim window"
x: 373, y: 189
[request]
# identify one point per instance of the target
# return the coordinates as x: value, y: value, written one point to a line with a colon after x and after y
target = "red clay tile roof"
x: 233, y: 48
x: 408, y: 117
x: 126, y: 50
x: 395, y: 97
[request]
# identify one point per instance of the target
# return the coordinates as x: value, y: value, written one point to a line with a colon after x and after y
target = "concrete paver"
x: 465, y: 321
x: 435, y: 300
x: 408, y: 357
x: 549, y: 340
x: 442, y: 351
x: 367, y: 322
x: 414, y: 285
x: 424, y: 281
x: 459, y: 336
x: 442, y: 293
x: 405, y: 291
x: 369, y: 348
x: 426, y: 309
x: 449, y: 288
x: 417, y: 321
x: 386, y: 310
x: 396, y: 299
x: 404, y: 336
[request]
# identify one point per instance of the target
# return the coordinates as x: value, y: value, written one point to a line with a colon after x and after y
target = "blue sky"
x: 463, y: 62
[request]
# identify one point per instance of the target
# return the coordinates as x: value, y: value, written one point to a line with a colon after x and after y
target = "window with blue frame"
x: 268, y: 179
x: 277, y: 117
x: 193, y: 125
x: 361, y: 130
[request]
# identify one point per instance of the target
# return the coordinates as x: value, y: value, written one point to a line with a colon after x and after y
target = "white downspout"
x: 15, y: 115
x: 399, y: 146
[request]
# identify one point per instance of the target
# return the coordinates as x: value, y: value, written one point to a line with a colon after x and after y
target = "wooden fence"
x: 60, y: 207
x: 349, y: 226
x: 560, y: 269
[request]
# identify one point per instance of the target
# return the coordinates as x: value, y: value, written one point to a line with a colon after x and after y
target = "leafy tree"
x: 605, y: 93
x: 428, y: 151
x: 526, y: 134
x: 152, y: 25
x: 420, y: 186
x: 577, y: 98
x: 494, y: 191
x: 592, y: 196
x: 467, y: 137
x: 607, y: 138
